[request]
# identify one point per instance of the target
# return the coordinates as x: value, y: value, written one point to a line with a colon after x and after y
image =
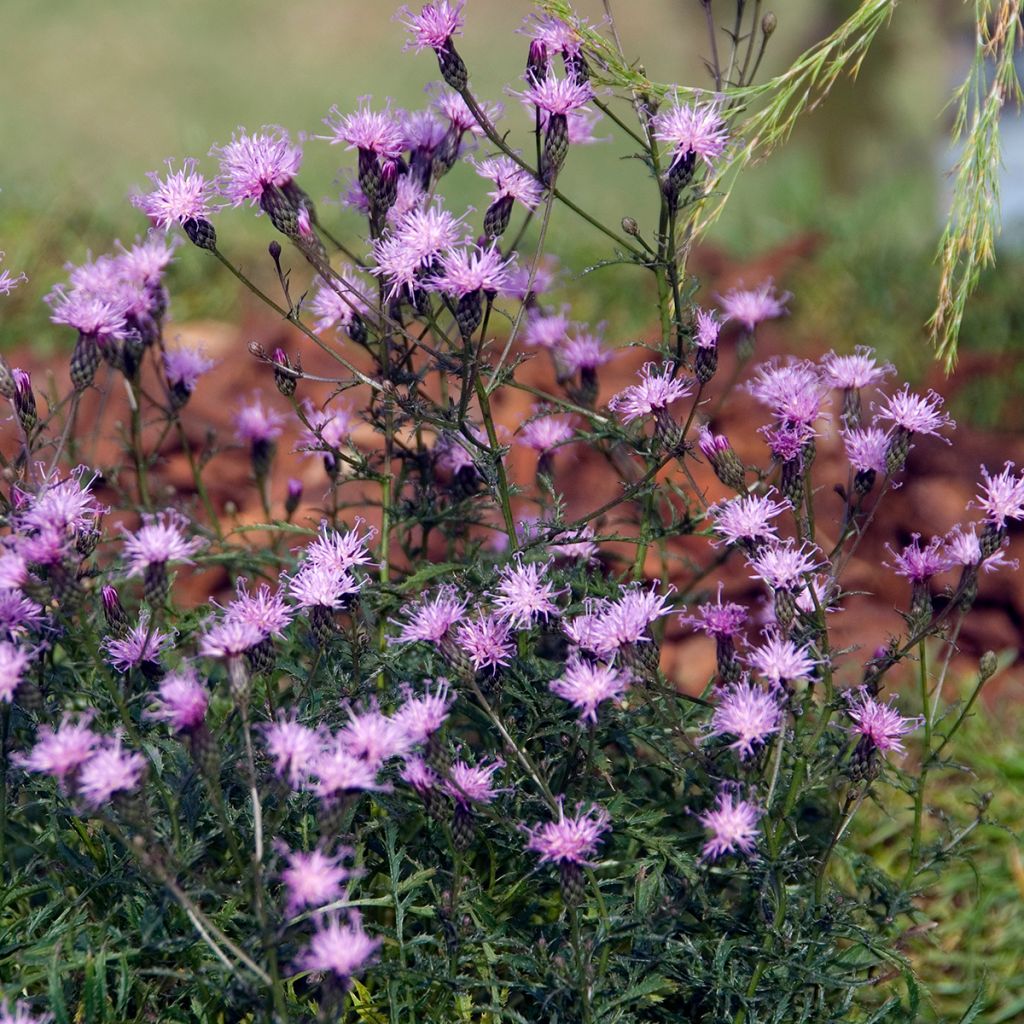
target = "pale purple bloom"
x: 719, y: 620
x: 338, y: 770
x: 754, y: 307
x: 916, y: 414
x: 9, y: 281
x: 377, y: 132
x: 557, y: 34
x: 422, y: 130
x: 469, y: 784
x: 733, y: 823
x: 655, y: 391
x: 747, y: 519
x: 472, y: 269
x: 229, y: 638
x: 104, y: 319
x: 110, y: 770
x: 627, y: 619
x: 694, y: 129
x: 785, y: 565
x: 419, y: 775
x: 340, y: 550
x: 13, y: 662
x: 1002, y: 496
x: 748, y: 712
x: 860, y: 370
x: 262, y: 609
x: 918, y: 563
x: 249, y: 164
x: 293, y: 747
x: 712, y: 445
x: 181, y: 701
x: 337, y: 303
x: 558, y: 95
x: 328, y: 430
x: 963, y: 548
x: 66, y: 506
x: 586, y: 630
x: 321, y: 586
x: 145, y: 262
x: 256, y: 423
x: 60, y: 752
x: 545, y: 330
x: 159, y: 540
x: 570, y: 840
x: 314, y: 879
x: 586, y: 684
x: 18, y: 613
x: 140, y: 645
x: 510, y: 181
x: 339, y: 948
x: 583, y: 351
x: 434, y: 26
x: 579, y: 544
x: 185, y: 365
x: 522, y: 595
x: 420, y: 717
x: 486, y: 641
x: 881, y: 724
x: 546, y: 433
x: 20, y: 1012
x: 177, y: 197
x: 780, y: 659
x: 373, y: 736
x: 433, y: 617
x: 708, y: 327
x: 794, y: 390
x: 452, y: 106
x: 787, y: 441
x: 866, y: 448
x: 13, y: 570
x: 399, y: 265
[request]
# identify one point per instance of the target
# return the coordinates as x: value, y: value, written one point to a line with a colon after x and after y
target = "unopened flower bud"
x: 294, y: 496
x: 84, y: 360
x: 987, y: 665
x: 6, y: 379
x: 283, y: 377
x: 25, y: 401
x: 113, y: 611
x: 630, y: 226
x: 769, y: 23
x: 275, y: 250
x: 556, y: 147
x: 537, y: 62
x: 201, y: 233
x: 453, y: 67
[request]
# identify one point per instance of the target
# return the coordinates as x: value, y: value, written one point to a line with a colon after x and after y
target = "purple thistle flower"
x: 21, y: 1013
x: 918, y: 563
x: 377, y: 132
x: 337, y: 770
x: 145, y: 262
x: 586, y: 631
x: 64, y: 506
x: 420, y: 717
x: 314, y: 879
x: 579, y: 544
x: 747, y: 519
x: 177, y: 197
x: 881, y: 724
x: 694, y: 129
x: 13, y: 570
x: 103, y: 319
x: 256, y: 423
x: 159, y: 540
x: 963, y: 548
x: 717, y: 620
x: 18, y: 613
x: 546, y: 433
x: 521, y: 596
x: 419, y: 775
x: 794, y: 390
x: 262, y: 609
x: 374, y: 737
x: 229, y: 638
x: 583, y: 351
x: 434, y: 26
x: 341, y: 949
x: 748, y: 712
x: 110, y: 770
x: 140, y: 645
x: 472, y: 269
x: 655, y: 391
x: 293, y: 747
x: 860, y: 370
x: 627, y: 620
x: 328, y: 430
x: 753, y: 307
x: 431, y: 620
x: 249, y: 164
x: 337, y: 303
x: 62, y: 751
x: 780, y: 660
x: 422, y: 130
x: 181, y: 701
x: 469, y: 784
x: 185, y: 365
x: 9, y: 281
x: 321, y: 586
x: 450, y: 105
x: 785, y: 565
x: 916, y: 414
x: 866, y: 448
x: 399, y: 265
x: 733, y: 823
x: 569, y: 840
x: 340, y: 550
x: 546, y: 330
x: 510, y: 181
x: 1002, y: 496
x: 13, y: 662
x: 586, y: 684
x: 558, y: 95
x: 486, y: 641
x: 708, y: 327
x: 557, y: 34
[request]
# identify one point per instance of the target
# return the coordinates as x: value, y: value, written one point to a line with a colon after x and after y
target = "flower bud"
x: 453, y: 67
x: 769, y: 23
x: 283, y: 378
x: 201, y: 233
x: 294, y: 496
x: 6, y: 379
x: 630, y: 226
x: 25, y: 401
x: 987, y: 665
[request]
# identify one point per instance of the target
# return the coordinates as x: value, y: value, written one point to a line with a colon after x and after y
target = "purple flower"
x: 433, y: 617
x: 314, y: 879
x: 373, y: 737
x: 64, y: 506
x: 1002, y: 496
x: 694, y: 129
x: 486, y: 641
x: 62, y: 751
x: 185, y: 365
x: 780, y: 660
x: 717, y: 620
x: 21, y: 1013
x: 259, y: 609
x: 340, y: 948
x: 747, y: 519
x: 916, y: 414
x: 655, y: 391
x: 9, y: 281
x: 104, y: 319
x: 880, y: 724
x: 337, y: 770
x: 545, y: 433
x: 733, y: 823
x: 256, y: 423
x: 293, y: 747
x: 963, y: 547
x: 452, y: 106
x: 510, y: 181
x: 748, y: 712
x: 110, y: 770
x: 558, y: 35
x: 472, y: 269
x: 179, y: 196
x: 340, y: 550
x: 866, y: 448
x: 586, y: 684
x: 377, y: 132
x: 470, y: 784
x: 249, y: 164
x: 558, y: 95
x: 794, y: 391
x: 181, y: 701
x: 522, y: 595
x: 569, y: 840
x: 420, y: 717
x: 337, y: 303
x: 545, y: 330
x: 583, y: 351
x: 229, y: 638
x: 785, y: 565
x: 159, y: 540
x: 141, y: 644
x: 627, y: 620
x: 434, y: 26
x: 918, y: 563
x: 419, y: 775
x: 145, y: 262
x: 860, y: 370
x: 13, y: 662
x: 708, y: 327
x: 754, y: 307
x: 18, y: 613
x: 321, y: 586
